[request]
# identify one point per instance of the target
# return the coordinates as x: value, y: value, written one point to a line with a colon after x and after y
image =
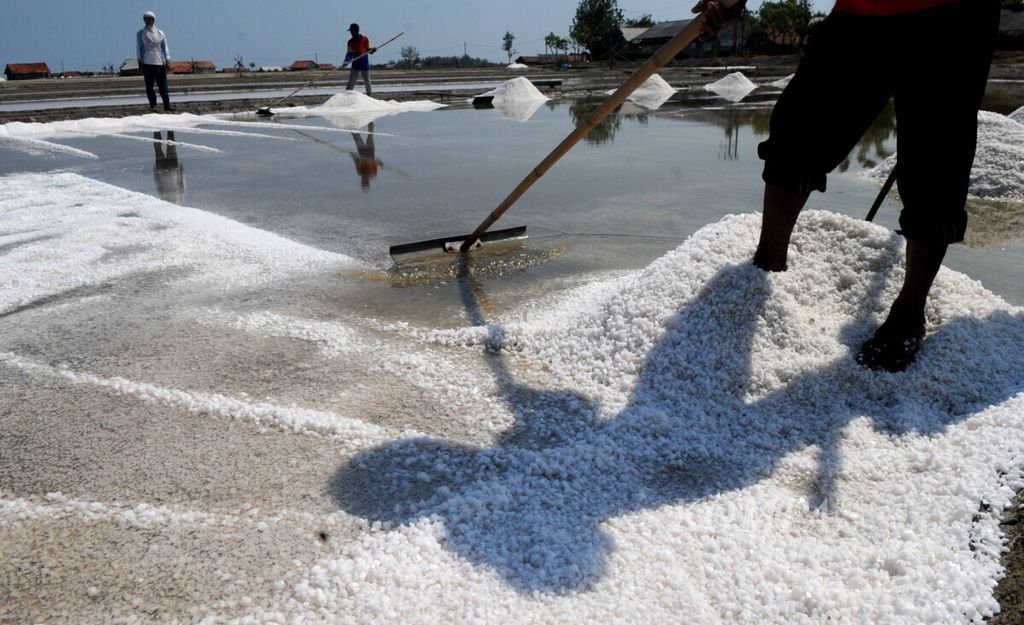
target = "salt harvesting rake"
x: 422, y: 250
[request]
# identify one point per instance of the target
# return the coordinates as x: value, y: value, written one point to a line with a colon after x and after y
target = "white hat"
x: 149, y: 14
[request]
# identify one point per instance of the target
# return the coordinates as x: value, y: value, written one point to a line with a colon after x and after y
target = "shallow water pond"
x: 634, y: 189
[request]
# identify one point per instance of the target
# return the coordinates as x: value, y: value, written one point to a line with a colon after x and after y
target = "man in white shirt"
x: 154, y: 57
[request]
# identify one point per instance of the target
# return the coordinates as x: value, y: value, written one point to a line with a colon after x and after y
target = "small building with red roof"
x: 26, y: 71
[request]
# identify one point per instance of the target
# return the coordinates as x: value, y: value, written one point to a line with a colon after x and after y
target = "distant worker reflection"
x: 168, y: 172
x: 365, y: 158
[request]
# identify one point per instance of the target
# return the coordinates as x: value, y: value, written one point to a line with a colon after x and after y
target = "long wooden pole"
x: 324, y: 74
x: 665, y: 54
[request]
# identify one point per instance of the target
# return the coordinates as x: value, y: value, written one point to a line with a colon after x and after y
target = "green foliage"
x: 553, y: 45
x: 506, y: 44
x: 786, y: 19
x: 453, y: 61
x: 1016, y: 5
x: 644, y: 21
x: 596, y: 25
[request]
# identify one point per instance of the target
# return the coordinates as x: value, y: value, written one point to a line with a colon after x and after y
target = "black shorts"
x: 933, y: 63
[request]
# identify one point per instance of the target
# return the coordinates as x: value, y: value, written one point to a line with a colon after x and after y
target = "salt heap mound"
x: 518, y: 89
x: 354, y: 109
x: 1018, y: 115
x: 517, y: 99
x: 653, y: 93
x: 782, y: 83
x: 703, y: 415
x: 517, y: 66
x: 998, y: 171
x: 733, y: 87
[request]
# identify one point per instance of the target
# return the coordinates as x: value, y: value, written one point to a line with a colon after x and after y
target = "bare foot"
x: 895, y: 343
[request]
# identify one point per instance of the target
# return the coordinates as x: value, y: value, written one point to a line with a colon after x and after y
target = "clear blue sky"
x: 86, y: 34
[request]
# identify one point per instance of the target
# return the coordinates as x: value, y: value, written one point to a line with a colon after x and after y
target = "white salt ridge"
x: 76, y: 222
x: 517, y: 66
x: 34, y: 146
x: 1018, y: 115
x: 782, y: 83
x: 654, y: 92
x: 353, y: 431
x: 743, y: 470
x: 733, y: 87
x: 998, y: 170
x: 180, y: 144
x: 353, y: 109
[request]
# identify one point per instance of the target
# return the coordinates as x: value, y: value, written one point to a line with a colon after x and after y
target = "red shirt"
x: 887, y: 7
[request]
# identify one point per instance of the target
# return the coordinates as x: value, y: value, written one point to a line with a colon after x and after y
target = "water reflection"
x: 877, y: 143
x: 581, y: 110
x: 168, y: 172
x: 365, y: 158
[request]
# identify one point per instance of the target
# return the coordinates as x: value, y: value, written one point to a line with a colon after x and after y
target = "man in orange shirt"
x: 358, y: 54
x: 932, y: 57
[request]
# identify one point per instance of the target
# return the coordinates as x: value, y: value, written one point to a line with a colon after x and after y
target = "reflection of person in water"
x: 364, y: 158
x: 168, y: 172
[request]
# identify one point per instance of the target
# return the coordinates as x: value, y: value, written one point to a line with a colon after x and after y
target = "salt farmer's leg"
x: 366, y: 81
x: 820, y: 116
x: 161, y: 78
x: 149, y: 76
x: 937, y: 136
x: 351, y: 79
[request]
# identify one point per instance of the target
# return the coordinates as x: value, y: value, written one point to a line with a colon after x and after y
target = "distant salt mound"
x: 653, y: 93
x: 517, y: 66
x: 356, y: 101
x: 781, y: 83
x: 998, y: 172
x: 733, y: 87
x: 354, y: 109
x: 516, y: 90
x: 517, y: 99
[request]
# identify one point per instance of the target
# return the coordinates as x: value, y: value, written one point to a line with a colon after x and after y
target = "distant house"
x: 26, y: 71
x: 179, y: 67
x: 130, y: 67
x: 325, y: 66
x: 656, y: 36
x: 301, y: 66
x: 192, y: 67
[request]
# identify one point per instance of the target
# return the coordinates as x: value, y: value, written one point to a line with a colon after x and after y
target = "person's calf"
x: 781, y: 209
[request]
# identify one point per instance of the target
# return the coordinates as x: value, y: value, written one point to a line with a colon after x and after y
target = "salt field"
x: 223, y: 404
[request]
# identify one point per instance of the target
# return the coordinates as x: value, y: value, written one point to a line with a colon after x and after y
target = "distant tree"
x: 596, y: 25
x: 409, y: 55
x: 507, y: 41
x: 550, y: 40
x: 644, y: 21
x: 1016, y: 5
x: 452, y: 61
x: 786, y: 19
x: 562, y: 45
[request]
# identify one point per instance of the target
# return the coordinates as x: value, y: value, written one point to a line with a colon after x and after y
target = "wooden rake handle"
x: 664, y: 54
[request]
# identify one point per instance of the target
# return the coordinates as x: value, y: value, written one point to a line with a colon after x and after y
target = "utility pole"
x: 465, y: 50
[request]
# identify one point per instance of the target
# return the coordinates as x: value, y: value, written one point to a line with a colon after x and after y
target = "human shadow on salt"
x: 531, y: 507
